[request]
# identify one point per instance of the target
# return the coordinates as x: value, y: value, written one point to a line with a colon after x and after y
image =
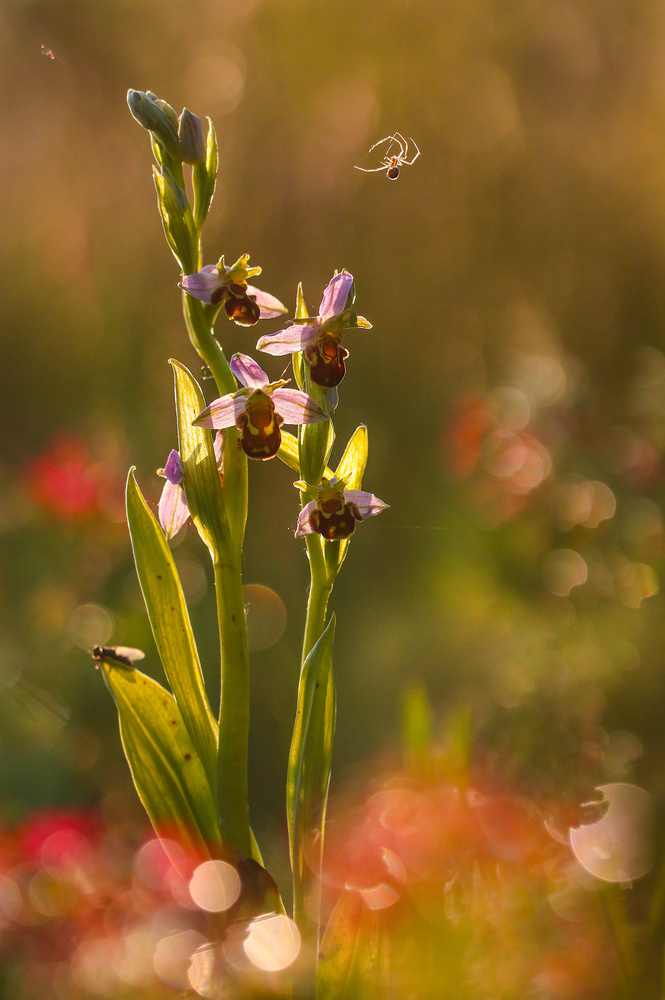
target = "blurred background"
x: 513, y: 383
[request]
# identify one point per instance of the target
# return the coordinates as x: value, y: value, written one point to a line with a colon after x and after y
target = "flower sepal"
x: 204, y: 178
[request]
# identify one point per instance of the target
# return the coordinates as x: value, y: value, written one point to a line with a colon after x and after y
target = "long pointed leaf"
x: 310, y: 761
x: 171, y: 627
x: 201, y: 483
x: 169, y: 776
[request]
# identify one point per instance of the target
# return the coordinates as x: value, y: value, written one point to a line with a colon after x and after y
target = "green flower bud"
x: 149, y: 113
x: 190, y: 132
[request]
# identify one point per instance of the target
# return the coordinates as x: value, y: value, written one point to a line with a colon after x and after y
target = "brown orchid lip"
x: 242, y: 309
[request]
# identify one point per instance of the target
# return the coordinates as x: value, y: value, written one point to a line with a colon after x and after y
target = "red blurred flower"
x: 65, y: 480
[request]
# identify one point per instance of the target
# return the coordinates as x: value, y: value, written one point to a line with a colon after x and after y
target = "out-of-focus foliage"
x: 514, y: 378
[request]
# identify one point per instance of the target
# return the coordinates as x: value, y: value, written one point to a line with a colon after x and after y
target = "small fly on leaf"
x: 124, y: 656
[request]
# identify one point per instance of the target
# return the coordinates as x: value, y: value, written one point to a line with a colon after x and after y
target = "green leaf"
x: 201, y: 483
x: 171, y: 627
x: 309, y: 767
x: 169, y: 776
x: 354, y: 956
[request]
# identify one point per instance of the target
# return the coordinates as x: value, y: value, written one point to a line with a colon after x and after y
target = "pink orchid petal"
x: 296, y: 407
x: 221, y: 413
x: 267, y: 303
x: 248, y: 372
x: 173, y: 469
x: 304, y: 527
x: 335, y: 296
x: 218, y: 447
x: 203, y: 284
x: 293, y: 338
x: 367, y: 503
x: 173, y: 509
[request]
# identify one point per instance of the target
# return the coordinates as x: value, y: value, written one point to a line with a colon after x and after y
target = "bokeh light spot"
x: 273, y: 942
x: 192, y: 577
x: 266, y: 616
x: 214, y: 886
x: 636, y: 582
x: 157, y: 863
x: 10, y: 899
x: 89, y: 625
x: 173, y: 956
x: 563, y: 570
x: 221, y: 78
x: 617, y: 848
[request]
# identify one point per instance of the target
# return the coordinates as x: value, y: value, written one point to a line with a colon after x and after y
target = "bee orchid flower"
x: 259, y: 409
x: 219, y: 285
x: 334, y: 510
x: 319, y: 337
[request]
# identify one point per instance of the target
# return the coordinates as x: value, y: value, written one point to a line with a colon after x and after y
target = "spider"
x: 391, y: 164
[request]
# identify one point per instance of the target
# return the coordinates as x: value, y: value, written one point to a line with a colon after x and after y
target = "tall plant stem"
x: 321, y: 585
x: 231, y: 784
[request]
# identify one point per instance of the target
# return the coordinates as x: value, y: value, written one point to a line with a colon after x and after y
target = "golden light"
x: 215, y: 886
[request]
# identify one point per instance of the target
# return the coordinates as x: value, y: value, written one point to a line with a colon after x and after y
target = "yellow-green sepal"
x: 168, y: 774
x: 353, y: 462
x: 171, y: 626
x: 204, y: 178
x: 351, y: 469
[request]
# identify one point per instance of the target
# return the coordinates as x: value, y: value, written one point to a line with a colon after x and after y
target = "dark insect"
x: 124, y: 656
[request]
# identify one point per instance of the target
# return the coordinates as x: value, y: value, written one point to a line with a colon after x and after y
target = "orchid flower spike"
x: 173, y: 507
x: 259, y: 409
x: 219, y: 285
x: 334, y: 511
x: 319, y: 336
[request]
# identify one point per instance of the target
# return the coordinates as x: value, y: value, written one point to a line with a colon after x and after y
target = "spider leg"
x: 370, y: 170
x: 415, y: 156
x: 385, y: 139
x: 404, y: 146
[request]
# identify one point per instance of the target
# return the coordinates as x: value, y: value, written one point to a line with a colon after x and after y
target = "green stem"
x: 232, y: 798
x: 321, y: 585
